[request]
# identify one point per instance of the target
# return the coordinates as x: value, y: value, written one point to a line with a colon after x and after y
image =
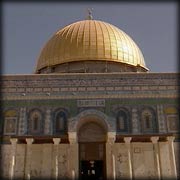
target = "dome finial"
x: 90, y: 17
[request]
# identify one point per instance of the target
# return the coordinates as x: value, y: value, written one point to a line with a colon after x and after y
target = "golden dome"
x: 90, y: 40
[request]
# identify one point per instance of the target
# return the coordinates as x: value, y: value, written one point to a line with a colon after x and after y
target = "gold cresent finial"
x: 90, y: 17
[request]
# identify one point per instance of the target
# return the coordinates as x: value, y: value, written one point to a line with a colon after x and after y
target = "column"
x: 29, y: 142
x: 47, y: 126
x: 73, y: 156
x: 156, y: 156
x: 22, y: 120
x: 135, y: 122
x: 55, y: 155
x: 172, y: 157
x: 13, y: 153
x: 127, y: 141
x: 110, y: 157
x: 161, y: 121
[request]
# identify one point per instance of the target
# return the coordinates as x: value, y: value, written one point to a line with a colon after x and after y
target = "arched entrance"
x: 92, y: 137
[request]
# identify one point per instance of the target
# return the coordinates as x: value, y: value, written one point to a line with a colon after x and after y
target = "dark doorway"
x: 91, y: 170
x: 92, y: 151
x: 92, y: 164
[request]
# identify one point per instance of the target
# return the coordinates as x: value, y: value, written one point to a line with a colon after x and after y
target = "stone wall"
x: 60, y: 161
x: 39, y: 161
x: 143, y: 160
x: 6, y: 160
x: 177, y: 156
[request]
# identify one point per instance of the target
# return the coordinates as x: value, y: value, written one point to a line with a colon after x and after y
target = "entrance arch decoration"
x: 76, y: 122
x: 102, y: 128
x: 100, y: 119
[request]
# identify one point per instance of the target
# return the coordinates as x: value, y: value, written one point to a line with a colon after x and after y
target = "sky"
x: 28, y: 26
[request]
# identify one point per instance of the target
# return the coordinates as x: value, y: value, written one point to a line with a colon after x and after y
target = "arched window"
x: 148, y: 121
x: 35, y: 122
x: 122, y: 121
x: 60, y: 122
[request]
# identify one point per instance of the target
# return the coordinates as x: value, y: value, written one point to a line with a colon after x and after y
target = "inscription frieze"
x: 94, y: 86
x: 100, y: 80
x: 91, y: 103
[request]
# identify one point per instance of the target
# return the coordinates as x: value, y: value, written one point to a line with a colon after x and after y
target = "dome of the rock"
x: 90, y: 46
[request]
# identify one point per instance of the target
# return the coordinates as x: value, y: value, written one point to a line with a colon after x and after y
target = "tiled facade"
x: 138, y: 144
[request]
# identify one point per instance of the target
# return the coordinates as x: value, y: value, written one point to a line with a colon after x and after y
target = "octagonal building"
x: 91, y: 110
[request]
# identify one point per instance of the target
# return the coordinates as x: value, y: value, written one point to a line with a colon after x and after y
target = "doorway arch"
x: 92, y: 136
x: 91, y: 132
